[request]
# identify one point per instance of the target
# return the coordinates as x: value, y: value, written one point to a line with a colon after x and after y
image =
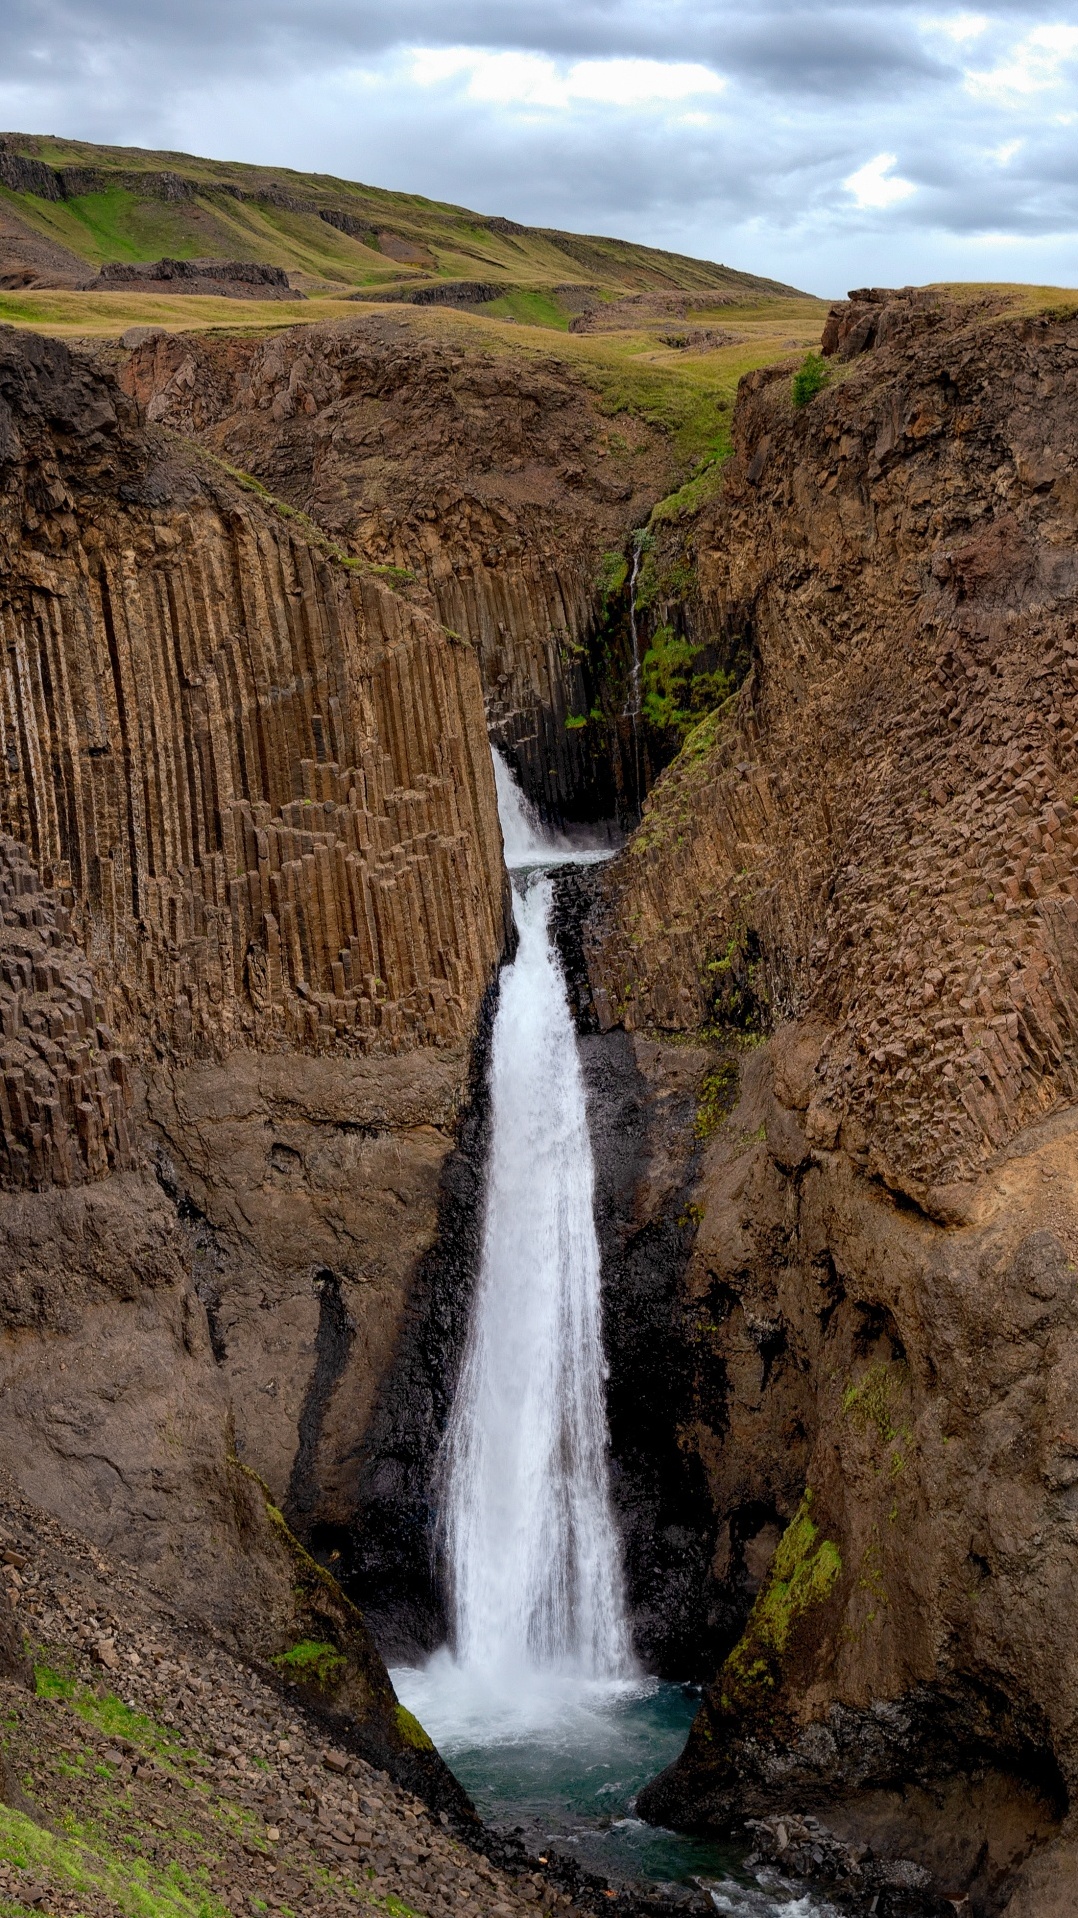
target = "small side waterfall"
x: 633, y: 708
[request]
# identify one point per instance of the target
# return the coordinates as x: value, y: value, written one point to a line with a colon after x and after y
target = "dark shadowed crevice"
x: 387, y: 1558
x: 207, y: 1260
x: 333, y: 1342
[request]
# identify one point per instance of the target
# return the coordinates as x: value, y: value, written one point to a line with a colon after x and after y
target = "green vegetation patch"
x: 313, y: 1661
x: 534, y: 308
x: 804, y: 1572
x: 704, y: 484
x: 612, y: 577
x: 673, y: 693
x: 132, y: 1884
x: 735, y: 983
x: 811, y: 377
x: 412, y: 1731
x: 107, y: 1713
x: 715, y: 1099
x: 867, y: 1401
x: 692, y: 406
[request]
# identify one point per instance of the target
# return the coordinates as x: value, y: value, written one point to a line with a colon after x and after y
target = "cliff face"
x: 495, y: 478
x: 251, y: 897
x: 856, y: 885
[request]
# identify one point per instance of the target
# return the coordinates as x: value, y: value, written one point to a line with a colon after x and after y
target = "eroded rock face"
x: 251, y: 899
x: 869, y: 854
x: 496, y: 481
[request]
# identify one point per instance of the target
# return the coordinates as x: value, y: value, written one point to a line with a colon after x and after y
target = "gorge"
x: 266, y: 597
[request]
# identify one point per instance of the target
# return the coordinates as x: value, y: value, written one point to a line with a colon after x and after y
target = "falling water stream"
x: 537, y: 1703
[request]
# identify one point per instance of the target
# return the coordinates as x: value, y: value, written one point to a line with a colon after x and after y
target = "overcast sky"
x: 827, y: 145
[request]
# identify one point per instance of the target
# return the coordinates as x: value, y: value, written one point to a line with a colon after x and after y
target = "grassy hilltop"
x: 98, y: 204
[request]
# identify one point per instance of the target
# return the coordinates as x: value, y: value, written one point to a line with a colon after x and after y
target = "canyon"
x: 265, y: 598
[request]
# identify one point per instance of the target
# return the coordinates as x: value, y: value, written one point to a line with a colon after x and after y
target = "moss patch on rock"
x: 804, y: 1572
x: 412, y: 1731
x: 312, y: 1660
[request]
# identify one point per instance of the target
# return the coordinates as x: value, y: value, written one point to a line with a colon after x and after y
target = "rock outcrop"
x: 494, y: 479
x: 219, y: 279
x: 857, y: 884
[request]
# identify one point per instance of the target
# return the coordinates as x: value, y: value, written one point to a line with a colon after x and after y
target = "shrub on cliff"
x: 674, y: 694
x: 811, y: 377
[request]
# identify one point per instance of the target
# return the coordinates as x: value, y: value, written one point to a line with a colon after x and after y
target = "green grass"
x: 535, y: 309
x: 108, y: 1714
x: 134, y: 1886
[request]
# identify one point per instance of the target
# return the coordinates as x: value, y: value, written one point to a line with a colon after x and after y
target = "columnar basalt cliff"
x: 857, y: 886
x: 251, y: 899
x: 495, y: 478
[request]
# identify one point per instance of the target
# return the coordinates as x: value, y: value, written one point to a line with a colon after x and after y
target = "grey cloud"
x: 814, y: 91
x: 790, y: 45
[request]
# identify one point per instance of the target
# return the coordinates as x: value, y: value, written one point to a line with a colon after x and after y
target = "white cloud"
x: 959, y: 27
x: 1034, y: 65
x: 1003, y: 155
x: 533, y: 80
x: 874, y: 185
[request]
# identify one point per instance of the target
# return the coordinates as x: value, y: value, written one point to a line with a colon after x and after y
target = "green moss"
x: 133, y: 1886
x: 803, y: 1574
x: 412, y: 1731
x: 673, y: 693
x: 867, y: 1401
x: 576, y: 722
x: 313, y: 1661
x: 717, y: 1093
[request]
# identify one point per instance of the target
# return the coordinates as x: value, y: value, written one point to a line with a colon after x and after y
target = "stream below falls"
x: 538, y: 1704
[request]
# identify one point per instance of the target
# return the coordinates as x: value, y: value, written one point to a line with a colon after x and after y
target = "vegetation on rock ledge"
x: 803, y: 1573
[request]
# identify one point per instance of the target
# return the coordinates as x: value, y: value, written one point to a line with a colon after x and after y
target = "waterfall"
x: 633, y: 708
x: 531, y: 1549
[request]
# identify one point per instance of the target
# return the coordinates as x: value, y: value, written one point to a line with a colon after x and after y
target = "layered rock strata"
x: 494, y: 477
x: 856, y: 885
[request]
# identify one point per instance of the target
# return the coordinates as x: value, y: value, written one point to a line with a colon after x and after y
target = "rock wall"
x: 251, y: 899
x: 881, y: 826
x: 855, y: 886
x: 493, y: 476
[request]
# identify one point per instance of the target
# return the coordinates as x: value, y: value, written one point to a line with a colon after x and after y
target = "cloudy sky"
x: 829, y: 145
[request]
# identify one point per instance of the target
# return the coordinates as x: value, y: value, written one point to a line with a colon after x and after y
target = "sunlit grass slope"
x: 125, y: 203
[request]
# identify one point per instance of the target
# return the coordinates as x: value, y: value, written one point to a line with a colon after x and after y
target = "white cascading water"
x: 530, y: 1542
x: 531, y: 1548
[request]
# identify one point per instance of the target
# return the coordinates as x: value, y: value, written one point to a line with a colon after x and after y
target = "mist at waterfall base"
x: 539, y: 1706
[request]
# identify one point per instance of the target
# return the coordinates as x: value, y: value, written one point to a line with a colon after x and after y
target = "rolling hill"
x: 68, y: 208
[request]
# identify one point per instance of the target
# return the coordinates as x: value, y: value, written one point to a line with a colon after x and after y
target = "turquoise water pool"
x: 561, y: 1765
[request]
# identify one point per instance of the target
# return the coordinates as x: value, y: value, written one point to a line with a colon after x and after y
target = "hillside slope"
x: 67, y: 206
